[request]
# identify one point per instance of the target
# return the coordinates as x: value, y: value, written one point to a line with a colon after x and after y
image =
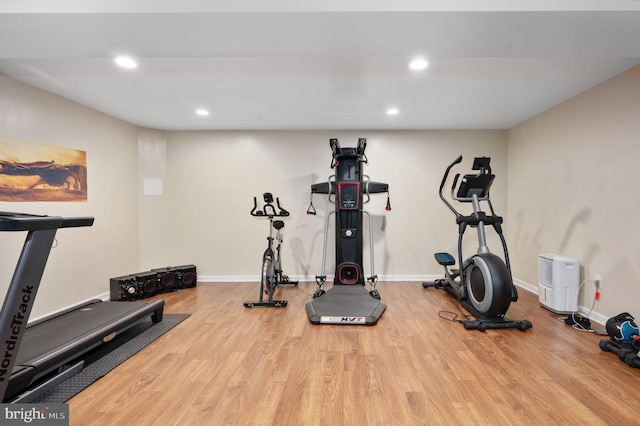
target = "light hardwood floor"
x: 228, y: 365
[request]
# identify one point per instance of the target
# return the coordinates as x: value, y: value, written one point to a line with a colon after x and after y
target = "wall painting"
x: 34, y: 171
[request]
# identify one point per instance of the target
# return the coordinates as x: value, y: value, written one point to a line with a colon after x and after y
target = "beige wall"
x: 570, y: 175
x: 573, y: 190
x: 84, y: 259
x: 212, y: 177
x: 209, y: 180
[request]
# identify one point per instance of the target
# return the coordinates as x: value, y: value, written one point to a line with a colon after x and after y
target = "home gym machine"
x: 272, y: 275
x: 348, y: 301
x: 483, y: 284
x: 36, y: 357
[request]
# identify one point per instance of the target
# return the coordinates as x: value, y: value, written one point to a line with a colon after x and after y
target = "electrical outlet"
x: 598, y: 281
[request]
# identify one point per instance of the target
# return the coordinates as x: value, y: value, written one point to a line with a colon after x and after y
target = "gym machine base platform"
x: 347, y: 305
x: 36, y: 356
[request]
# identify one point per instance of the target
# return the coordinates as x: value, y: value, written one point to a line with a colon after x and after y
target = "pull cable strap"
x: 311, y: 209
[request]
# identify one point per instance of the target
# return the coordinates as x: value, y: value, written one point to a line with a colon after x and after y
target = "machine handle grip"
x: 281, y: 211
x: 444, y: 180
x: 254, y: 210
x: 75, y: 222
x: 446, y: 173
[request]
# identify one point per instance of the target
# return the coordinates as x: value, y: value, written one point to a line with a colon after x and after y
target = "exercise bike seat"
x: 278, y: 224
x: 444, y: 259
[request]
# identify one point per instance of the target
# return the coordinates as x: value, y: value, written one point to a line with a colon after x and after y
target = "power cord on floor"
x: 582, y: 322
x: 453, y: 316
x: 578, y: 322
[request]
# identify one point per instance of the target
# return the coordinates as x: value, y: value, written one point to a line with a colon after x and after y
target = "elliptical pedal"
x: 444, y: 259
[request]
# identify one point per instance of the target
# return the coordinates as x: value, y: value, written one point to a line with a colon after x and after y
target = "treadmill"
x: 347, y: 302
x: 37, y: 357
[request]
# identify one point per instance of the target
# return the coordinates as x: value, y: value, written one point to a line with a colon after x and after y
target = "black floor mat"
x: 108, y: 356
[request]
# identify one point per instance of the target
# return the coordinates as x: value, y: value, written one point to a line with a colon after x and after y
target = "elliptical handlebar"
x: 268, y: 209
x: 455, y: 181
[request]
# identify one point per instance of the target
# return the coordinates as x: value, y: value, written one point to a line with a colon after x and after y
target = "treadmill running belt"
x: 57, y: 332
x: 50, y: 344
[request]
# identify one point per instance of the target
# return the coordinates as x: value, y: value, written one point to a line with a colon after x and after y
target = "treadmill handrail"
x: 31, y: 222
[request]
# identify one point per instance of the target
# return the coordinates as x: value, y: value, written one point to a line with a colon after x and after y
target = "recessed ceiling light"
x: 126, y: 62
x: 202, y: 112
x: 418, y: 64
x: 393, y: 111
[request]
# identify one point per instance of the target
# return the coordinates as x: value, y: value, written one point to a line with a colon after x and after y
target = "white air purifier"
x: 558, y: 283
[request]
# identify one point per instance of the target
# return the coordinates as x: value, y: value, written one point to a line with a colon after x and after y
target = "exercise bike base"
x: 271, y: 304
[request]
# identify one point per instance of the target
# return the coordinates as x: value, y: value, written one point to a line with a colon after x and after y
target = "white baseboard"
x: 306, y: 278
x: 228, y: 278
x: 582, y: 310
x: 526, y: 286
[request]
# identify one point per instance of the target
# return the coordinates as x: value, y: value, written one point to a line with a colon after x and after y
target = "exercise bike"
x: 272, y: 275
x: 483, y: 284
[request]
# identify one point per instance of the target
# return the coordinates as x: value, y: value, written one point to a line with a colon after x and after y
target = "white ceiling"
x: 332, y: 64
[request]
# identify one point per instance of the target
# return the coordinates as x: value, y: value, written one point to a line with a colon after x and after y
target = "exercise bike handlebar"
x: 444, y: 180
x: 268, y: 210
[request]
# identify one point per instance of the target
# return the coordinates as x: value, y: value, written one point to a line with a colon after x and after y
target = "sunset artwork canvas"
x: 34, y: 171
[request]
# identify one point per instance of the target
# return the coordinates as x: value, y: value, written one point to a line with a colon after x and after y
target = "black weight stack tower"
x: 348, y: 301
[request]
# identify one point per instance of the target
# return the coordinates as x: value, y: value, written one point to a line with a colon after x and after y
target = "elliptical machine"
x: 483, y: 284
